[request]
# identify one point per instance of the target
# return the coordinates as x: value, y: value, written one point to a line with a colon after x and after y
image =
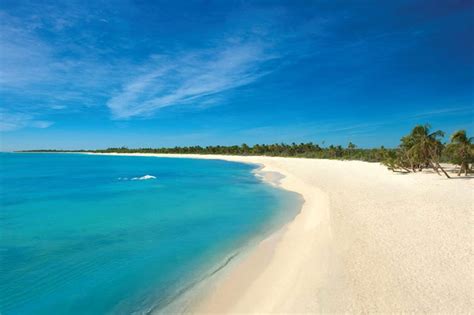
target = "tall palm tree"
x: 462, y: 148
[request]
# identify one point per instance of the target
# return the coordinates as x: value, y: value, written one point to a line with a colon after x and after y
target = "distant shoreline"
x: 366, y: 240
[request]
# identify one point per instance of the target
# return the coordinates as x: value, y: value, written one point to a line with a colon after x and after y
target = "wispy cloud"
x: 57, y: 73
x: 43, y: 71
x: 41, y: 61
x: 13, y: 121
x: 445, y: 111
x: 196, y: 77
x: 22, y: 54
x: 251, y: 45
x: 75, y: 59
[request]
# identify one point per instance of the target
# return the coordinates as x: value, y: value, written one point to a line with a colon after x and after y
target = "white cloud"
x: 192, y: 78
x: 47, y: 72
x: 10, y: 121
x: 45, y: 75
x: 24, y: 58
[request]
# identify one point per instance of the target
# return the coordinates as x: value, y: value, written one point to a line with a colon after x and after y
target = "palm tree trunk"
x: 437, y: 163
x: 433, y: 158
x: 434, y: 168
x: 405, y: 169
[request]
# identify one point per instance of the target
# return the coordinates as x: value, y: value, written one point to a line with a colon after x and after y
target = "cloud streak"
x: 445, y: 111
x: 13, y: 121
x: 197, y: 77
x: 43, y: 65
x: 45, y: 70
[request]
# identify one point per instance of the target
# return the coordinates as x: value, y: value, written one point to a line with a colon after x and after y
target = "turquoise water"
x: 82, y: 234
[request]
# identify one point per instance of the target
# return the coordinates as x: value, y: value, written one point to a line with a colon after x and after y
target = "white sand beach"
x: 366, y: 240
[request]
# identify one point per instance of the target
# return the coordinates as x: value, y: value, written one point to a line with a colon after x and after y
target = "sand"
x: 366, y: 240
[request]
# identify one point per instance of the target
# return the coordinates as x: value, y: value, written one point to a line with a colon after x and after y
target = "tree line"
x: 302, y: 150
x: 418, y: 150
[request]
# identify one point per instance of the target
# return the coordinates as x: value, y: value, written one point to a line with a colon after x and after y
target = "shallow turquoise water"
x: 79, y: 236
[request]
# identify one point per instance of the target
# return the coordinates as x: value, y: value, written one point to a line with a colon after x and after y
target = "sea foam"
x: 144, y: 177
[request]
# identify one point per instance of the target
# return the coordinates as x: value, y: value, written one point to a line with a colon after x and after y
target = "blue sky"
x: 96, y: 74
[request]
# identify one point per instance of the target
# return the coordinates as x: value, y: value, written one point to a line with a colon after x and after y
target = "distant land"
x: 419, y: 149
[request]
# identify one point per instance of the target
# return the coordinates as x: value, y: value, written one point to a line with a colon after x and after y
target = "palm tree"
x: 461, y: 148
x: 420, y: 149
x: 425, y: 148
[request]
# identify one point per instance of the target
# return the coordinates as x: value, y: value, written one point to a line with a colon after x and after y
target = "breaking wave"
x: 145, y: 177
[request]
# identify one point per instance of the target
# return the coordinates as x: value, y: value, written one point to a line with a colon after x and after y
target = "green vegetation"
x: 423, y: 149
x: 418, y: 150
x: 461, y: 151
x: 303, y: 150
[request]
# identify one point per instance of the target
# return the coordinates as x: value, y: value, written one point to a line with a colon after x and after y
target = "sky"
x: 98, y: 74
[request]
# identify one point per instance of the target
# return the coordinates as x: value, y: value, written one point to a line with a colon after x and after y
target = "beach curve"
x: 366, y: 240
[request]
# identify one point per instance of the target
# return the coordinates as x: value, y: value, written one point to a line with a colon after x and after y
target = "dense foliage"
x: 423, y: 149
x: 305, y: 150
x: 418, y: 150
x: 461, y: 151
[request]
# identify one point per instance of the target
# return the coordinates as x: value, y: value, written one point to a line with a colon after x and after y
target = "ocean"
x: 96, y: 234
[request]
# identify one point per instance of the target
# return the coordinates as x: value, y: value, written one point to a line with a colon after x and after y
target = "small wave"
x: 144, y: 177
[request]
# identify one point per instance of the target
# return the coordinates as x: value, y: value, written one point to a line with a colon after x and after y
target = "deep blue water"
x: 79, y: 236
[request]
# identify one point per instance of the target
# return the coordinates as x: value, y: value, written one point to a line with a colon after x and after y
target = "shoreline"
x: 235, y: 278
x: 188, y: 301
x: 365, y: 240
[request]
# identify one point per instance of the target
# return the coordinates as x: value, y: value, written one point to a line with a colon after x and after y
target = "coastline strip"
x: 365, y: 240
